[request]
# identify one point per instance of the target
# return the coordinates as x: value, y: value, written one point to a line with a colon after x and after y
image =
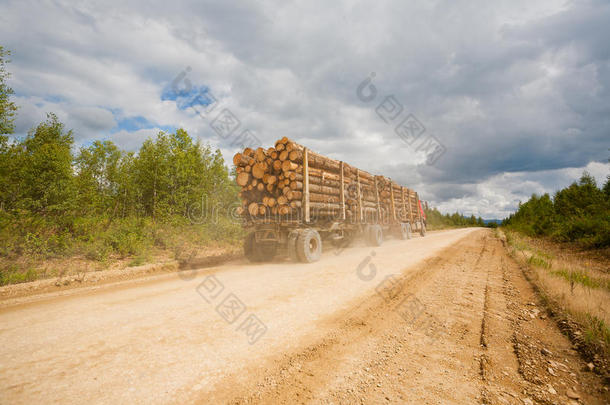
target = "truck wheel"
x: 292, y: 245
x: 258, y: 252
x: 405, y: 231
x: 375, y: 235
x: 309, y: 246
x: 422, y: 230
x: 249, y: 250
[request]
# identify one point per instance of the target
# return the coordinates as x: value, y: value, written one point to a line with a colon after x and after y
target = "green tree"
x: 579, y: 212
x: 7, y: 118
x: 97, y: 180
x: 44, y: 162
x: 7, y: 107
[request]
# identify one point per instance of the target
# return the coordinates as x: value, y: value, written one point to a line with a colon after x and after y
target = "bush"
x: 578, y: 213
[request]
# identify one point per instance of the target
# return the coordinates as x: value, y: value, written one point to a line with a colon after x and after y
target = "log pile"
x: 273, y: 182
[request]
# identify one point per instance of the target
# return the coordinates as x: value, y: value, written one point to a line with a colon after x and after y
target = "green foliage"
x: 596, y: 331
x: 105, y: 203
x: 7, y: 108
x: 582, y: 278
x: 42, y: 175
x: 578, y: 213
x: 436, y: 220
x: 536, y: 260
x: 13, y: 275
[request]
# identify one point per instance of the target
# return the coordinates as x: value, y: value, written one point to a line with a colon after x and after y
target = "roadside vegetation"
x: 575, y: 286
x: 436, y: 220
x: 102, y: 205
x: 564, y: 241
x: 579, y: 213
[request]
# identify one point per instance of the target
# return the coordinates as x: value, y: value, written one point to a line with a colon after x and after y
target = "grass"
x: 570, y: 287
x: 15, y: 275
x: 29, y: 247
x: 139, y: 260
x: 536, y: 260
x: 582, y: 278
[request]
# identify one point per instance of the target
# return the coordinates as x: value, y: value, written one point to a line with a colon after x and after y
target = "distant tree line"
x: 436, y: 220
x: 578, y: 213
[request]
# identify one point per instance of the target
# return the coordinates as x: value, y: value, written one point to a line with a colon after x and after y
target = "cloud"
x: 512, y: 89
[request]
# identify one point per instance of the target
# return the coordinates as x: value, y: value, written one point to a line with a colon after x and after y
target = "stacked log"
x: 273, y: 182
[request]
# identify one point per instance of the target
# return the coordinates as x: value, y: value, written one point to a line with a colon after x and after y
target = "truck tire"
x: 422, y: 229
x: 405, y: 231
x: 309, y: 246
x: 260, y: 252
x: 375, y: 235
x: 250, y: 250
x: 292, y: 245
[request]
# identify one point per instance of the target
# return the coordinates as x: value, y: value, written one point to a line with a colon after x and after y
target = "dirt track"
x: 455, y: 322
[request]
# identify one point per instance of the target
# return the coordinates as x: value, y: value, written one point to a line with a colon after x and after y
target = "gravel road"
x: 427, y: 320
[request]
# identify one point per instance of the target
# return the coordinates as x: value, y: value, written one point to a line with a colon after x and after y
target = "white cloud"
x: 511, y: 88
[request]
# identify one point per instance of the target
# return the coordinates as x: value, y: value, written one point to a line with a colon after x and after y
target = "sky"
x: 474, y: 104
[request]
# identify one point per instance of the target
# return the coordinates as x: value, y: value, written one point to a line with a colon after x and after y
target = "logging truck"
x: 294, y: 199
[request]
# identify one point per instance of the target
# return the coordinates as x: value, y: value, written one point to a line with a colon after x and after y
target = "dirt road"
x: 447, y: 318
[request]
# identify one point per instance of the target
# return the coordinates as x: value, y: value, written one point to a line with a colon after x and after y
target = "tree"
x: 97, y: 176
x: 7, y: 118
x: 579, y: 212
x: 7, y: 107
x: 44, y: 160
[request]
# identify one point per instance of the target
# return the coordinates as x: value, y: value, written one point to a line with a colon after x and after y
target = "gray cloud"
x: 509, y: 87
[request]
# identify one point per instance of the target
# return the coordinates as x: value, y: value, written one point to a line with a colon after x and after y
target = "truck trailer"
x: 294, y: 199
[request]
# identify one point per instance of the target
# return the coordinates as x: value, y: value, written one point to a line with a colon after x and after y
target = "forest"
x: 102, y: 201
x: 579, y: 213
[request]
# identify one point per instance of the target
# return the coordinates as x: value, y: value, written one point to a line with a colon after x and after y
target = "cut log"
x: 321, y: 205
x: 258, y: 170
x: 295, y: 195
x: 296, y: 185
x: 243, y: 178
x: 287, y: 166
x: 323, y: 198
x: 294, y: 155
x: 253, y: 209
x: 260, y: 155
